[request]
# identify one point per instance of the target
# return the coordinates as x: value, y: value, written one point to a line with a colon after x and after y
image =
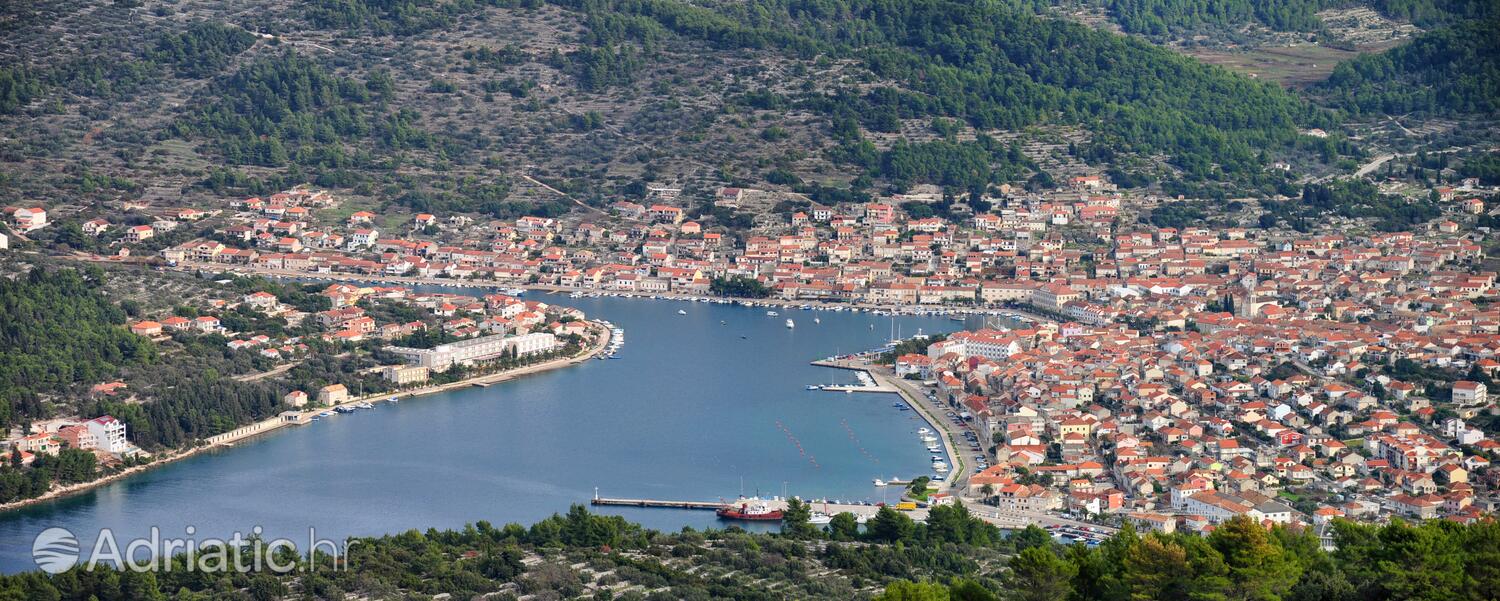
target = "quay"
x: 709, y: 505
x: 824, y: 506
x: 859, y: 388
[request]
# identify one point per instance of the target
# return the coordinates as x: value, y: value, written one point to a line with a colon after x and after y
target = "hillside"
x: 1450, y: 71
x: 457, y: 105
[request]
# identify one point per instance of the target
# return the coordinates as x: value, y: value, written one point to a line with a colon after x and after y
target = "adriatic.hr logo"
x: 55, y: 550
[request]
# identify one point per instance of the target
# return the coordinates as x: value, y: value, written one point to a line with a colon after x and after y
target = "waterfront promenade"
x: 889, y: 383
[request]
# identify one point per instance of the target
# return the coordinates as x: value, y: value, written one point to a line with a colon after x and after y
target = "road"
x: 1371, y: 166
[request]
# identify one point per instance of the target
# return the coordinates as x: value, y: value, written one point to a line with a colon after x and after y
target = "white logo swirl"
x: 55, y: 550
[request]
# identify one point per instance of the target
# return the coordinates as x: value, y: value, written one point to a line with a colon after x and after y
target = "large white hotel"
x: 467, y: 352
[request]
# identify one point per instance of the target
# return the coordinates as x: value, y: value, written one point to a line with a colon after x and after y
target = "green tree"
x: 905, y: 590
x: 1038, y: 574
x: 1258, y: 567
x: 844, y: 527
x: 890, y: 526
x: 795, y: 520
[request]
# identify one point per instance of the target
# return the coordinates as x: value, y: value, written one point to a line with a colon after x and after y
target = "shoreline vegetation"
x: 278, y: 422
x: 952, y: 556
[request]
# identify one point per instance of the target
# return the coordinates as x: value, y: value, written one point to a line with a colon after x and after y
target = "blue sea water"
x: 700, y: 406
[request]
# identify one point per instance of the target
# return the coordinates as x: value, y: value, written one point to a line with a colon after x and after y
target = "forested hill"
x: 1448, y: 71
x: 994, y: 65
x: 1160, y: 17
x: 440, y: 106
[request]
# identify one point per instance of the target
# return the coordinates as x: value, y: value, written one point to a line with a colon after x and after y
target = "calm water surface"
x: 697, y: 407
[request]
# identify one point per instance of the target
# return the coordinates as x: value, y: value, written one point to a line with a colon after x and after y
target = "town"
x: 1171, y: 376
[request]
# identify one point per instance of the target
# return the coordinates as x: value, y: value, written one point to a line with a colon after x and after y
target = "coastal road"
x: 917, y: 398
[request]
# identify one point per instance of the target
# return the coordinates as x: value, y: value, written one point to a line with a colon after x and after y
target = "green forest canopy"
x: 995, y: 64
x: 1443, y: 72
x: 952, y: 556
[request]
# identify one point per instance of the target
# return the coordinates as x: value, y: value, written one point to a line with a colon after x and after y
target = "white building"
x: 467, y: 352
x: 108, y: 433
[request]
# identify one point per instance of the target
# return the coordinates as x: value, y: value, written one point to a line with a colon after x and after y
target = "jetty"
x: 708, y: 505
x: 826, y: 506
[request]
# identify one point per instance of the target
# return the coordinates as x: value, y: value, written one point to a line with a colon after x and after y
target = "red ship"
x: 754, y: 509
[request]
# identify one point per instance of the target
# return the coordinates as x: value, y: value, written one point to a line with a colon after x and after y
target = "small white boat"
x: 814, y: 387
x: 771, y: 314
x: 790, y: 324
x: 820, y: 518
x: 681, y: 312
x: 879, y: 482
x: 816, y: 320
x: 923, y: 431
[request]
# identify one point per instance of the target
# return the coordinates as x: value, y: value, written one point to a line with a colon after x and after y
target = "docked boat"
x: 790, y: 324
x: 879, y: 482
x: 814, y: 387
x: 749, y: 509
x: 923, y: 431
x: 819, y: 518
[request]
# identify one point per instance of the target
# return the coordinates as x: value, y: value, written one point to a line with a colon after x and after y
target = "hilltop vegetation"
x: 57, y: 334
x: 996, y: 65
x: 444, y: 106
x: 954, y: 556
x: 1159, y: 17
x: 1444, y: 72
x: 461, y: 106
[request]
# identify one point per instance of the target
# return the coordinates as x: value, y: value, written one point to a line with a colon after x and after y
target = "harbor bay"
x: 703, y: 401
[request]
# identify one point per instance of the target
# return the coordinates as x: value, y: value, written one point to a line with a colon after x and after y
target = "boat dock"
x: 709, y: 505
x: 859, y: 388
x: 825, y: 506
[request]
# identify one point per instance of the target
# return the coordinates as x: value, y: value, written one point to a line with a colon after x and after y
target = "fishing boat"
x: 749, y: 509
x: 790, y: 324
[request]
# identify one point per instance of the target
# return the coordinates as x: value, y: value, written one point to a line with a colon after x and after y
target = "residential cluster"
x: 1174, y: 375
x: 104, y: 436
